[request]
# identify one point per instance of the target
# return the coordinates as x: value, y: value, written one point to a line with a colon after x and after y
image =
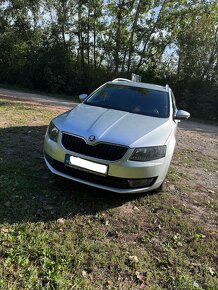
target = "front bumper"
x: 111, y: 183
x: 119, y: 172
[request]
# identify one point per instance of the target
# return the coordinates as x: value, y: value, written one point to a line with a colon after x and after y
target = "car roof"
x: 126, y: 82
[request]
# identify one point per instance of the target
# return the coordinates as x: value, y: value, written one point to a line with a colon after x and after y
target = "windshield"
x: 131, y: 99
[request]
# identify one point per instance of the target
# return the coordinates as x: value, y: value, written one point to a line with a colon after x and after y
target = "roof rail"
x: 121, y: 80
x: 167, y: 88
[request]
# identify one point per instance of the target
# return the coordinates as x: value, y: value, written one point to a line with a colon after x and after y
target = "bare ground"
x: 199, y: 174
x: 200, y: 137
x: 34, y: 98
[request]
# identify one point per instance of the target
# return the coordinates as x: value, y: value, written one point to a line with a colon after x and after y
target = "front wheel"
x: 161, y: 188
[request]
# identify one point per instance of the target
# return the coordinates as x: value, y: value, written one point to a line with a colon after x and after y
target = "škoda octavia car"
x: 120, y: 138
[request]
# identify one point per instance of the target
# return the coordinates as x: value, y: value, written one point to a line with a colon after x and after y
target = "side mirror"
x: 82, y: 97
x: 181, y: 115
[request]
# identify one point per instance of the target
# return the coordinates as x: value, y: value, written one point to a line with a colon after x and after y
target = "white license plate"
x: 85, y: 164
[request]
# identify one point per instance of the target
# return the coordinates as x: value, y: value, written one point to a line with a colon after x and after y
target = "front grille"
x: 101, y: 151
x: 111, y: 181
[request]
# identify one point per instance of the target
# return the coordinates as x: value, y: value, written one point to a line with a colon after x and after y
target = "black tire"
x: 161, y: 188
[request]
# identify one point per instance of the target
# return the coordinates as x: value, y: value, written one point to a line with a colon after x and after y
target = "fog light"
x: 141, y: 182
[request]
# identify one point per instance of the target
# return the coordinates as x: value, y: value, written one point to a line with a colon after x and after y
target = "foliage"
x: 73, y: 46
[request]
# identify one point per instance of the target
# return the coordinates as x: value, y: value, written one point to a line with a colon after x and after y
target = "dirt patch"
x: 42, y: 99
x: 53, y: 107
x: 198, y: 137
x: 195, y: 167
x: 125, y: 209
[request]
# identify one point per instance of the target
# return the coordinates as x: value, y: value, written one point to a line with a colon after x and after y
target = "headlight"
x: 148, y: 153
x: 53, y: 132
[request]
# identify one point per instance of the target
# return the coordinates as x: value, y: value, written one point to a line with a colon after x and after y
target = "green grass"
x: 57, y: 234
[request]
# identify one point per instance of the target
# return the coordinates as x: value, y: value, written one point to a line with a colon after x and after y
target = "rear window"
x: 131, y: 99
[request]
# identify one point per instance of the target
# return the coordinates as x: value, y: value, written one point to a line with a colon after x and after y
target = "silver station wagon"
x: 120, y: 138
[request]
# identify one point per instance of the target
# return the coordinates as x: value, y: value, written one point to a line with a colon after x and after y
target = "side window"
x: 173, y: 103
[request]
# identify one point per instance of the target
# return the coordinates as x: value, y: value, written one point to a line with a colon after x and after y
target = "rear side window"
x: 131, y: 99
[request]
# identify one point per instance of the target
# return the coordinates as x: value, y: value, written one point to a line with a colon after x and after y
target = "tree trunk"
x: 80, y: 35
x: 88, y: 32
x: 94, y: 45
x: 63, y: 21
x: 149, y: 36
x: 132, y: 35
x: 117, y: 41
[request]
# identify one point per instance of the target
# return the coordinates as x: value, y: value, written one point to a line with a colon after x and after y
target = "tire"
x: 161, y: 188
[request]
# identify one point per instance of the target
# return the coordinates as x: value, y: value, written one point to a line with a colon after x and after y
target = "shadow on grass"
x: 29, y: 192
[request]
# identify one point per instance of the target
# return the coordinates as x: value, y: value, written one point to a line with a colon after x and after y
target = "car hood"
x: 114, y: 126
